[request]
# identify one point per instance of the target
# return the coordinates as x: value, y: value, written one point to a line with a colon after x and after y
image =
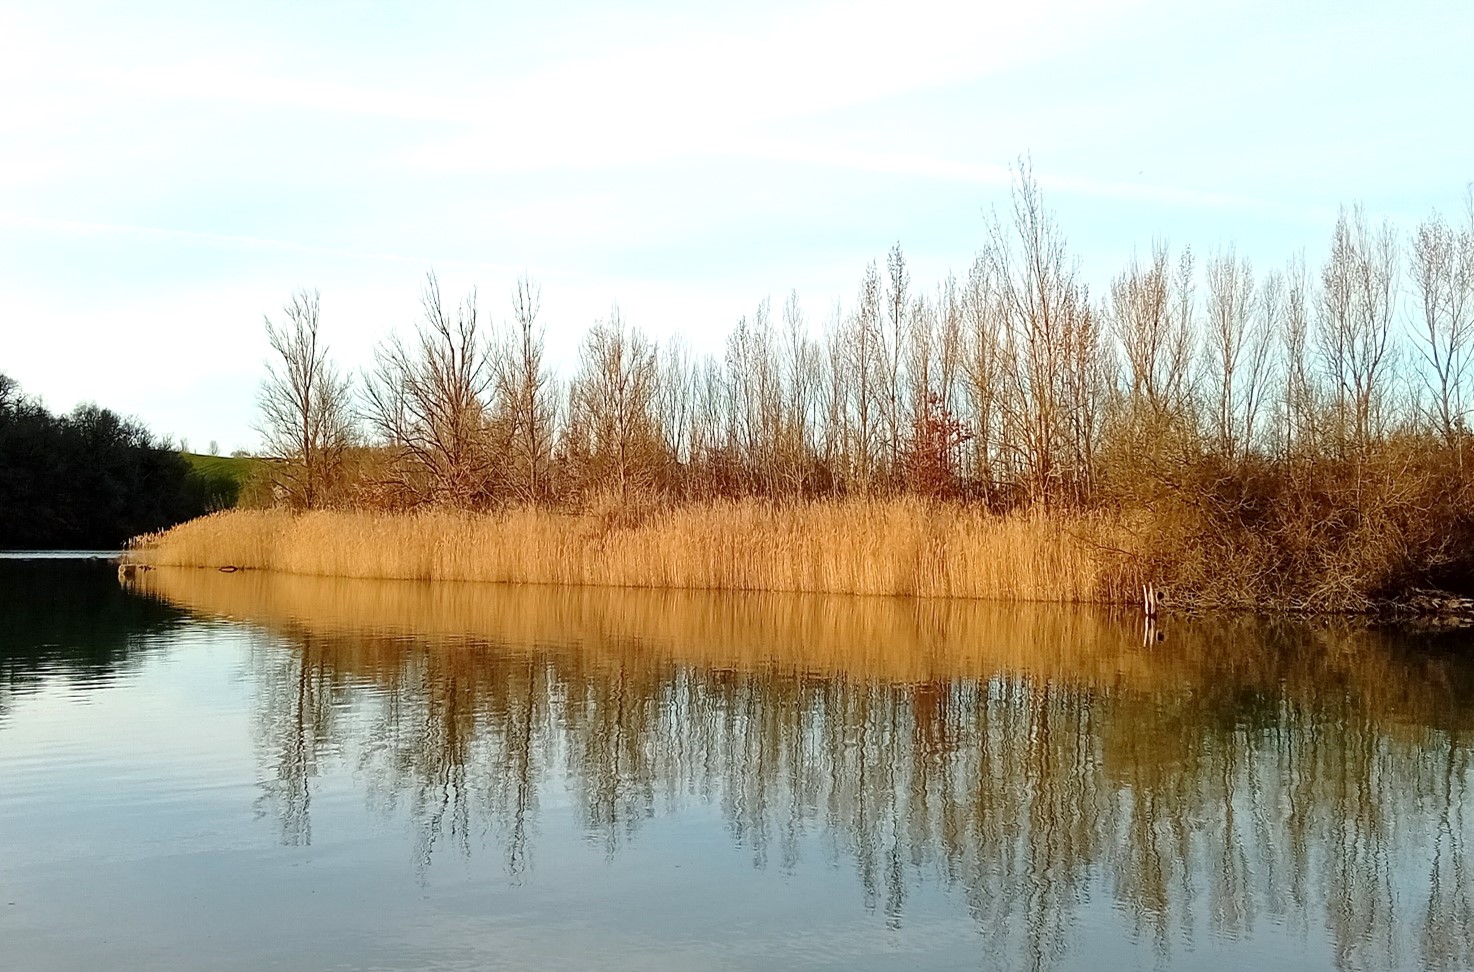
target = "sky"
x: 170, y: 173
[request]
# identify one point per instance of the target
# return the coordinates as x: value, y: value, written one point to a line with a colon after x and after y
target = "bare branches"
x: 892, y: 348
x: 428, y: 402
x: 863, y: 366
x: 1299, y: 408
x: 1442, y: 273
x: 1013, y: 385
x: 1151, y: 318
x: 802, y: 375
x: 525, y: 397
x: 1357, y: 299
x: 984, y: 366
x: 1048, y: 330
x: 305, y: 406
x: 1238, y: 348
x: 612, y: 434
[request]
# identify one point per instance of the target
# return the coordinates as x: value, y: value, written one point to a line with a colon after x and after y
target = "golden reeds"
x: 893, y: 547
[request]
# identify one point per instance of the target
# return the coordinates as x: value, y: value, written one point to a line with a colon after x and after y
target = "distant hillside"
x: 227, y: 480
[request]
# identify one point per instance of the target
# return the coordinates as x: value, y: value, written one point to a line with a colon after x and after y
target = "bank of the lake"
x: 898, y: 547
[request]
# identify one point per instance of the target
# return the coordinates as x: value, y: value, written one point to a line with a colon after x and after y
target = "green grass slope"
x: 224, y: 479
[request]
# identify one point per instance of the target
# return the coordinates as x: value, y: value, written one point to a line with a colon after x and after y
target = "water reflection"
x: 66, y: 619
x: 1230, y: 777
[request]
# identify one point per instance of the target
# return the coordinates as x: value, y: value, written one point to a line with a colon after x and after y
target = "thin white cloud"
x: 811, y: 59
x: 83, y: 228
x: 882, y: 163
x: 695, y: 92
x: 921, y: 165
x: 239, y: 83
x: 127, y: 127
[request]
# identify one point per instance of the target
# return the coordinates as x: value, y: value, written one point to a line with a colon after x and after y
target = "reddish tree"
x: 932, y: 455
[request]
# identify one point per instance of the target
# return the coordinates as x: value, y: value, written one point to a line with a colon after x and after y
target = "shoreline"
x: 887, y: 548
x: 1432, y: 612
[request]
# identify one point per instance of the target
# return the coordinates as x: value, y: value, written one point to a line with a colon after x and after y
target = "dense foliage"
x: 88, y: 479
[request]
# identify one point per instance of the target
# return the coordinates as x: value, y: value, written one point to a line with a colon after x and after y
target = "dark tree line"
x: 87, y: 479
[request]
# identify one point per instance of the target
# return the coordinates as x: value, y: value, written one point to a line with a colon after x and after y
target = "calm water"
x: 240, y: 771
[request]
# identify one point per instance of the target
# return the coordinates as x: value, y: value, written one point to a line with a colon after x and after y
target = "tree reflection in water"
x: 66, y: 621
x: 1238, y: 772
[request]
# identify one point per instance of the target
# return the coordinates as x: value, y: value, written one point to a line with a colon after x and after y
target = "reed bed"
x: 897, y: 547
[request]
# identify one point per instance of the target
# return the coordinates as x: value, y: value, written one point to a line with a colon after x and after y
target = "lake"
x: 252, y: 771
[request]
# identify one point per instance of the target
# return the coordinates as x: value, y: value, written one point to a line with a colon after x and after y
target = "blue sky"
x: 171, y: 172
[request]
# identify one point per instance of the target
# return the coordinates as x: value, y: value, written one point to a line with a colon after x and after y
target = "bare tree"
x: 949, y: 342
x: 1086, y: 378
x: 835, y: 399
x: 755, y: 394
x: 1357, y: 304
x: 675, y: 404
x: 893, y: 348
x: 863, y: 369
x: 1299, y: 405
x: 984, y: 365
x: 1443, y: 282
x: 708, y: 405
x: 1272, y: 308
x: 1238, y: 352
x: 306, y: 419
x: 1042, y: 304
x: 802, y: 374
x: 526, y: 396
x: 612, y: 404
x: 923, y: 371
x: 1150, y: 312
x: 428, y: 402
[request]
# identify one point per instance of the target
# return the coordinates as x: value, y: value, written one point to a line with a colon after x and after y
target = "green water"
x: 243, y: 772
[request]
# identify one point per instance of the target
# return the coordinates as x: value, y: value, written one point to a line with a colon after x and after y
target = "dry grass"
x: 898, y: 547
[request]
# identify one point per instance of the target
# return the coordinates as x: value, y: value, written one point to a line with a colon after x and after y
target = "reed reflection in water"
x: 1235, y: 776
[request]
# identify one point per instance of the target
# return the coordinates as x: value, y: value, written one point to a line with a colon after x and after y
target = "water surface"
x: 247, y: 771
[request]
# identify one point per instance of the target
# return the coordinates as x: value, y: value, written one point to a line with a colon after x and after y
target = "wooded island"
x: 1295, y: 438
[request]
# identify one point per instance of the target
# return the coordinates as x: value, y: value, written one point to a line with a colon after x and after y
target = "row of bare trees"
x: 1011, y: 384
